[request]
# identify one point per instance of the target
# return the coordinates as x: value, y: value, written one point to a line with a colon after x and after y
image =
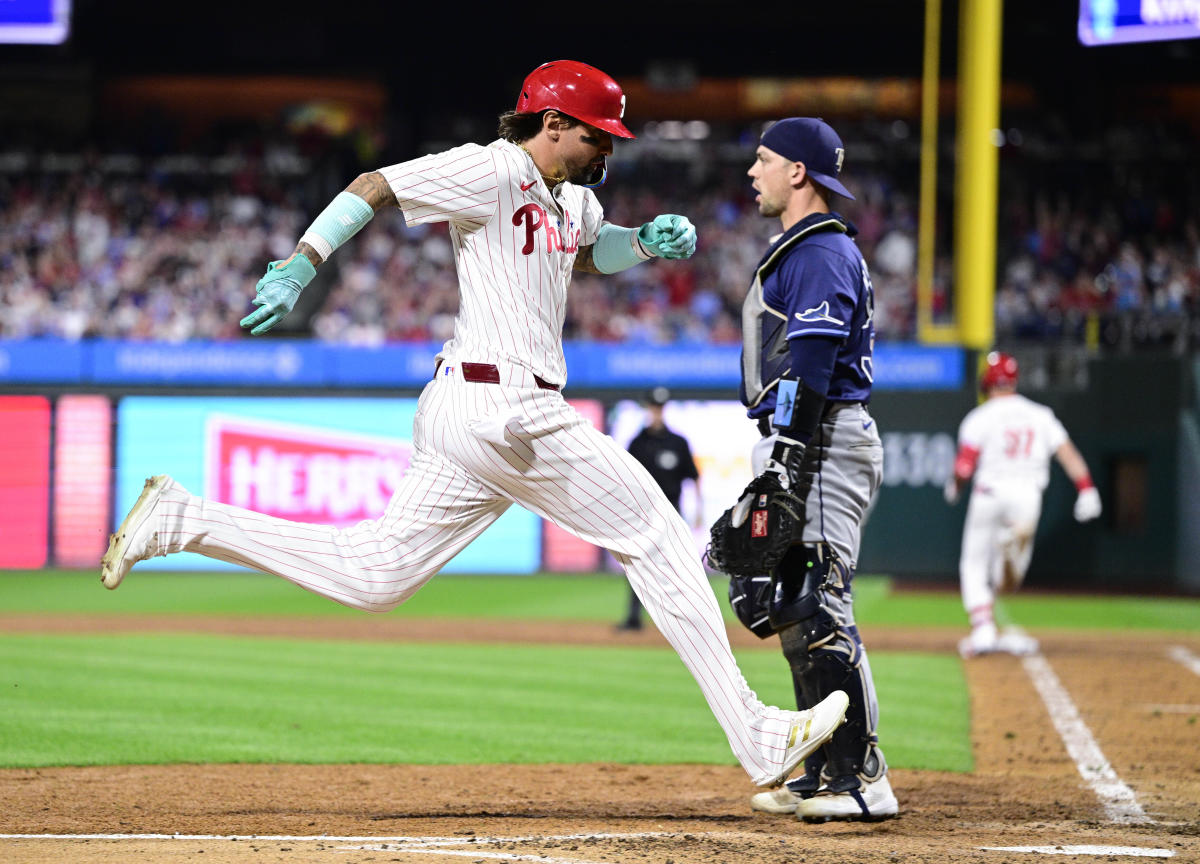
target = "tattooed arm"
x: 277, y: 291
x: 584, y: 262
x: 371, y: 188
x: 374, y: 189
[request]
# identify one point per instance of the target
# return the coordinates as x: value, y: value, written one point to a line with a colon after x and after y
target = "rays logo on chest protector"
x: 558, y: 239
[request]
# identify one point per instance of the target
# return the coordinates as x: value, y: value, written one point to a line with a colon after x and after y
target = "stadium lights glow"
x: 677, y: 130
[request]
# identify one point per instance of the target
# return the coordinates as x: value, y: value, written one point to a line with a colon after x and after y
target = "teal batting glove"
x: 669, y: 236
x: 277, y: 292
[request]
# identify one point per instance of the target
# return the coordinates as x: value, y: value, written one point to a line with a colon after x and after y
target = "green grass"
x: 1105, y: 613
x: 88, y: 700
x: 583, y: 597
x: 114, y: 699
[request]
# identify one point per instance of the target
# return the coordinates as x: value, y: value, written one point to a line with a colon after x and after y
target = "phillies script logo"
x: 758, y: 523
x: 301, y: 473
x: 534, y: 218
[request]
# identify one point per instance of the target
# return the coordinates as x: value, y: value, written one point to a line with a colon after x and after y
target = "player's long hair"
x: 517, y: 126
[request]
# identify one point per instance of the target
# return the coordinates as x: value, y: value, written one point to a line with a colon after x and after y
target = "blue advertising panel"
x: 699, y: 366
x: 1112, y: 22
x: 395, y: 365
x: 302, y: 364
x: 917, y: 367
x: 38, y: 361
x: 266, y: 363
x: 44, y: 22
x: 317, y: 460
x: 682, y: 365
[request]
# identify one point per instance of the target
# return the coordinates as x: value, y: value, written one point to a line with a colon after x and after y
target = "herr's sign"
x: 301, y: 473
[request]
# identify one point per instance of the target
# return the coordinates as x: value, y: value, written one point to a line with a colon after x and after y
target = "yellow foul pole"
x: 975, y: 185
x: 927, y: 331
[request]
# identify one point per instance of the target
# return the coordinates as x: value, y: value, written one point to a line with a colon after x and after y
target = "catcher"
x: 790, y: 544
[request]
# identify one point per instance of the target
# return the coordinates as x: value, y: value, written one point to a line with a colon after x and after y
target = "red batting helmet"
x: 577, y: 89
x: 999, y: 370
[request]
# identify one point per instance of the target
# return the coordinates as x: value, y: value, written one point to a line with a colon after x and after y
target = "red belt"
x: 488, y: 373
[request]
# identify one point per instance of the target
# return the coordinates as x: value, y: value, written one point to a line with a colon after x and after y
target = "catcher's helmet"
x: 577, y: 89
x: 999, y: 370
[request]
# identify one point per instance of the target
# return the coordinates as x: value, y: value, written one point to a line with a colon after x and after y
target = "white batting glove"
x: 1087, y: 505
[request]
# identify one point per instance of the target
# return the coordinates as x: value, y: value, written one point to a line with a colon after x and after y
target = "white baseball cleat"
x: 810, y: 729
x: 137, y: 538
x: 988, y: 641
x: 1017, y: 643
x: 873, y: 802
x: 781, y: 800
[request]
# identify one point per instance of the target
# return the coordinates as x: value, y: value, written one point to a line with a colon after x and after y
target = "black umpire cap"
x: 658, y: 396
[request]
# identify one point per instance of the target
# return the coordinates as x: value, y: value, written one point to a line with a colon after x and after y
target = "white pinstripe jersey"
x: 515, y: 244
x: 1015, y: 438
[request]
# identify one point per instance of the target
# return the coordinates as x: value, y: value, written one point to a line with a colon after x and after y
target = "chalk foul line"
x: 1118, y: 800
x: 1182, y: 655
x: 1135, y: 851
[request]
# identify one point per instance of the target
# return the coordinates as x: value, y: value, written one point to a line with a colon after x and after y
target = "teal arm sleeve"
x: 617, y: 249
x: 342, y: 219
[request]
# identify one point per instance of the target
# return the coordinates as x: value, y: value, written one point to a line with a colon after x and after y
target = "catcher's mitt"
x: 752, y: 536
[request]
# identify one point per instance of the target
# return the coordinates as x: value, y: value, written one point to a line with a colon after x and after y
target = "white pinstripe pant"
x: 1000, y: 525
x: 477, y: 449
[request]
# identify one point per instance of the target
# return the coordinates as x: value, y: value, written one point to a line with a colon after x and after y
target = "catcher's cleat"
x: 137, y: 538
x: 870, y: 803
x: 810, y: 729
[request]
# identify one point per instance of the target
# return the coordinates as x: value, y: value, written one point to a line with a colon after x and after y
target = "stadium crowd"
x: 169, y: 249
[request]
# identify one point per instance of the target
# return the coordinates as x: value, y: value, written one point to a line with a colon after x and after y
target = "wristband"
x: 783, y: 446
x: 342, y: 219
x: 1084, y: 483
x: 964, y: 462
x: 618, y: 249
x: 798, y: 409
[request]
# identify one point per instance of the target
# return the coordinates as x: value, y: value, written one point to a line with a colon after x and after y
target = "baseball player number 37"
x: 492, y: 427
x: 1006, y: 443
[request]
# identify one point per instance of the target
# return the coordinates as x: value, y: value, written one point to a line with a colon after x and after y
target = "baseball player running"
x: 1006, y: 444
x: 808, y: 339
x: 492, y: 427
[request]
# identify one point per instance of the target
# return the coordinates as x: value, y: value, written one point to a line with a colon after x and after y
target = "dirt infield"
x: 1134, y: 695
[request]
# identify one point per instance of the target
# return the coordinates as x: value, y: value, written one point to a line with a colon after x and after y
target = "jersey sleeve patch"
x: 825, y: 290
x: 817, y: 321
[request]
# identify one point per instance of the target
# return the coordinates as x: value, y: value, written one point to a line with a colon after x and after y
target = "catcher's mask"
x: 750, y: 599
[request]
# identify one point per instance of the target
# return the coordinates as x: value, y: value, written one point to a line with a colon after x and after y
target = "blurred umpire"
x: 668, y: 458
x: 808, y: 339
